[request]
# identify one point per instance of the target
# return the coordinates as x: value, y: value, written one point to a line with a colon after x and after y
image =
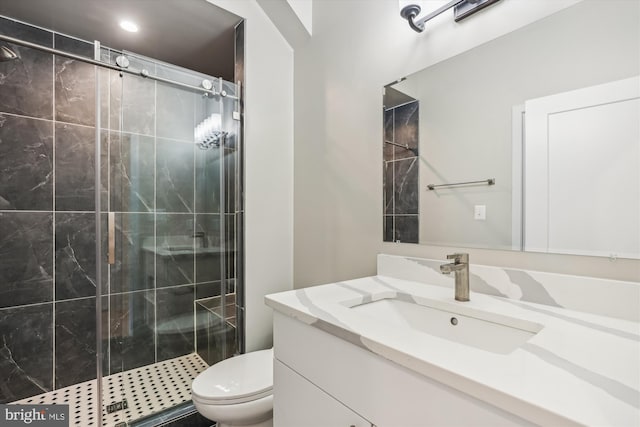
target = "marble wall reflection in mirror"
x: 551, y: 112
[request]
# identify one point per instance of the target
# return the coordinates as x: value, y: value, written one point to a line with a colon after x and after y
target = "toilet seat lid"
x: 237, y: 379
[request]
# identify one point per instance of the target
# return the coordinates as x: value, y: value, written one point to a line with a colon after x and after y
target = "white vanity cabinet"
x: 322, y: 380
x: 300, y: 403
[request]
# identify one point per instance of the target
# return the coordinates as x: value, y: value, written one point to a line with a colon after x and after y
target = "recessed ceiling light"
x: 130, y: 26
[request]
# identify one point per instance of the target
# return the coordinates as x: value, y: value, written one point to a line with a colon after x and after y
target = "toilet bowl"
x: 237, y: 391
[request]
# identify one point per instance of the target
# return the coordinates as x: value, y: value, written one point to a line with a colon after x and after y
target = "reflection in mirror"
x: 550, y: 111
x: 401, y: 222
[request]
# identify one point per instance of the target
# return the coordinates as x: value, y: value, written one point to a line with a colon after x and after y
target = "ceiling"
x: 190, y: 33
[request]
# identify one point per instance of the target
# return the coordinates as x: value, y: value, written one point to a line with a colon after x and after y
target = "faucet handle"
x: 459, y: 258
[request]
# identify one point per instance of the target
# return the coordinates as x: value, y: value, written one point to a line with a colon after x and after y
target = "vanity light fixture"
x: 129, y: 26
x: 461, y: 9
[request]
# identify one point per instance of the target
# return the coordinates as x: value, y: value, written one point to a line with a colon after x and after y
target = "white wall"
x: 268, y: 167
x: 356, y: 48
x: 304, y: 11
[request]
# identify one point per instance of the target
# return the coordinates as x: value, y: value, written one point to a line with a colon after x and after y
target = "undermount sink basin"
x: 482, y: 330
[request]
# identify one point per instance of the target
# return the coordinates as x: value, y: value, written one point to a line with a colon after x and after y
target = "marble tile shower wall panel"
x: 131, y: 322
x: 132, y: 168
x: 406, y: 228
x: 388, y: 175
x: 175, y: 321
x: 388, y: 149
x: 26, y: 267
x: 26, y: 351
x: 47, y: 224
x: 207, y: 181
x: 111, y: 87
x: 26, y: 162
x: 401, y: 173
x: 175, y: 113
x: 405, y: 186
x: 175, y: 175
x: 137, y: 101
x: 387, y: 231
x: 405, y: 130
x: 75, y: 341
x: 175, y: 260
x: 74, y: 168
x: 74, y: 83
x: 208, y: 268
x: 75, y: 246
x: 26, y: 87
x: 134, y: 268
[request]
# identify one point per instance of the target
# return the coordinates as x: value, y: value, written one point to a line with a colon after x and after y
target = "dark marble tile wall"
x: 75, y: 255
x: 26, y: 358
x: 207, y: 181
x: 137, y: 100
x: 165, y: 193
x: 175, y: 257
x: 75, y: 341
x: 26, y: 162
x: 175, y: 175
x: 47, y: 224
x: 175, y: 321
x: 131, y: 171
x: 175, y: 112
x: 26, y: 247
x: 130, y: 319
x: 26, y: 87
x: 134, y: 268
x: 74, y: 165
x: 405, y: 186
x: 405, y: 130
x: 401, y: 191
x: 387, y: 228
x: 74, y: 83
x: 406, y: 228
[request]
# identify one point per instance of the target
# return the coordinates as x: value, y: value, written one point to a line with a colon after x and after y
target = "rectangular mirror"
x: 539, y: 133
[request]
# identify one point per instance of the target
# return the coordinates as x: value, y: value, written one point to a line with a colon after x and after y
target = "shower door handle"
x: 112, y: 238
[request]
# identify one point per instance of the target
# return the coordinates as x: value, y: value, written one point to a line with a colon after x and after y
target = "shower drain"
x: 131, y: 394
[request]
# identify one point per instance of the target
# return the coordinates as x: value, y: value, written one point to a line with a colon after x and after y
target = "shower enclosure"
x: 119, y: 200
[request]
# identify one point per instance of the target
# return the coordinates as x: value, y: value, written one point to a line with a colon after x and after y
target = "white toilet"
x: 237, y: 391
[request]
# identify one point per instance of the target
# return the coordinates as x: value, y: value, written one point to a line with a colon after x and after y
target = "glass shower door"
x: 170, y: 271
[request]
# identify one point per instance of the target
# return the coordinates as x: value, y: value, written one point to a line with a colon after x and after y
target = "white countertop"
x: 580, y: 369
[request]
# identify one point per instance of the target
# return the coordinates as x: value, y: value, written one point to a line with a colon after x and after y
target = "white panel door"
x: 582, y: 171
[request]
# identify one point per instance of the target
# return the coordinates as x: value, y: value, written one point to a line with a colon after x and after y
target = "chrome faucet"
x: 460, y: 267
